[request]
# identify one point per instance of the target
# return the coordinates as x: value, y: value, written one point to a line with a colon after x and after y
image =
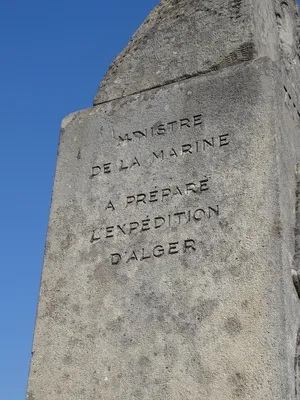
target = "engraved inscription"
x: 162, y: 154
x: 170, y: 220
x: 191, y: 148
x: 166, y: 193
x: 157, y: 251
x: 162, y: 128
x: 170, y: 217
x: 160, y: 195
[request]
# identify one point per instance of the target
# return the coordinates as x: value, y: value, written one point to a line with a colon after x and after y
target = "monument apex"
x: 184, y: 38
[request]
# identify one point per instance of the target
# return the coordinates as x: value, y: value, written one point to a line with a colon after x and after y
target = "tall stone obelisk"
x: 173, y: 249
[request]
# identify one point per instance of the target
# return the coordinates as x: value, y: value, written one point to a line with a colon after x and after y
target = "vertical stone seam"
x: 297, y: 220
x: 277, y: 105
x: 296, y: 259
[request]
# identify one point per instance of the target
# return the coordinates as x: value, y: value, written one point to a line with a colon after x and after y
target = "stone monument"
x: 172, y: 262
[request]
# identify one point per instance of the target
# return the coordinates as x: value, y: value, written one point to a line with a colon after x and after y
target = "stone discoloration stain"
x: 233, y: 326
x: 198, y: 371
x: 238, y: 384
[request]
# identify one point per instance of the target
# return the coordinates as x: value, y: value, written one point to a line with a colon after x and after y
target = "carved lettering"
x: 110, y: 206
x: 191, y: 148
x: 197, y: 120
x: 158, y: 222
x: 109, y: 231
x: 95, y: 171
x: 115, y: 258
x: 95, y: 237
x: 173, y: 248
x: 185, y: 122
x: 157, y: 251
x: 129, y: 165
x: 189, y: 244
x: 224, y: 140
x: 106, y: 169
x: 163, y: 194
x: 162, y: 128
x: 186, y: 149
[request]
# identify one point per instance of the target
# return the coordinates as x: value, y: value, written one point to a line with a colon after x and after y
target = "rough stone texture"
x: 196, y: 186
x: 182, y: 38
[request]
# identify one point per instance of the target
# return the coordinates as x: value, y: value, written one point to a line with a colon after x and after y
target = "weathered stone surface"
x: 183, y: 323
x: 173, y: 243
x: 182, y: 38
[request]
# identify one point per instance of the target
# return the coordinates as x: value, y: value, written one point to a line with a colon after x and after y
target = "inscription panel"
x: 168, y: 193
x: 168, y: 208
x: 160, y: 228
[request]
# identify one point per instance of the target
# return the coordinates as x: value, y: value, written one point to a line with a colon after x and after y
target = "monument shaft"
x: 174, y: 226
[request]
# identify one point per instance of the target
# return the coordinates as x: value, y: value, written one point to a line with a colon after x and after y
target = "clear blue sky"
x: 53, y: 56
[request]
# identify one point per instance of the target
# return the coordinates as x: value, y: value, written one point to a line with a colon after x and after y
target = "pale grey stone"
x: 183, y: 38
x: 174, y: 233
